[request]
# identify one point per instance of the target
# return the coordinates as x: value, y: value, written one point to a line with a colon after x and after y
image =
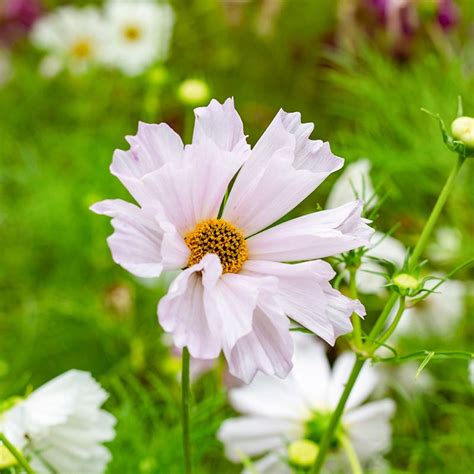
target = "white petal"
x: 369, y: 427
x: 268, y: 347
x: 340, y: 374
x: 272, y: 397
x: 273, y: 463
x: 193, y: 192
x: 182, y: 311
x: 313, y: 236
x: 137, y: 240
x: 300, y: 293
x: 151, y: 148
x: 222, y: 124
x: 249, y: 436
x: 354, y: 183
x: 283, y: 169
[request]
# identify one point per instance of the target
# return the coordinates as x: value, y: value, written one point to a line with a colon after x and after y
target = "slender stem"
x: 380, y: 323
x: 185, y: 393
x: 16, y: 454
x: 355, y: 318
x: 429, y: 226
x: 394, y: 324
x: 336, y: 416
x: 351, y: 455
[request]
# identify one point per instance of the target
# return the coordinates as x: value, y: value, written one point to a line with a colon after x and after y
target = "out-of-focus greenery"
x: 64, y: 303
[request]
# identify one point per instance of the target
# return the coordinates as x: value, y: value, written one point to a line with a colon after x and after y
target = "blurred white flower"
x: 61, y: 425
x: 138, y: 33
x: 470, y: 369
x: 438, y: 314
x: 6, y: 68
x: 355, y: 183
x: 446, y: 245
x: 72, y: 36
x: 277, y: 412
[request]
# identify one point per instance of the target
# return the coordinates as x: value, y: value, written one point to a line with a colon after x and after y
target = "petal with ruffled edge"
x: 193, y: 191
x: 283, y: 169
x: 136, y: 242
x: 363, y: 387
x: 317, y: 235
x: 267, y: 348
x: 249, y: 436
x: 222, y: 124
x: 369, y: 427
x: 182, y: 312
x: 152, y: 147
x: 301, y: 292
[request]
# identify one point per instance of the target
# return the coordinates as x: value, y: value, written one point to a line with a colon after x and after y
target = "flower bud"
x: 303, y: 452
x: 404, y: 281
x: 463, y: 130
x: 194, y: 92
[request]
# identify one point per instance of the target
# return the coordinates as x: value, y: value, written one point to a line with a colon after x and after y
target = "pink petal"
x: 193, y: 191
x: 222, y: 124
x: 283, y: 169
x: 182, y: 313
x: 267, y: 348
x: 152, y: 147
x: 313, y: 236
x: 136, y: 242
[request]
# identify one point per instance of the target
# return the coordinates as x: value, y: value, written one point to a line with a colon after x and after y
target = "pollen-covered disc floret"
x: 221, y: 238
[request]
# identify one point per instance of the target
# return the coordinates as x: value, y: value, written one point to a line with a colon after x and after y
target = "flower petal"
x: 273, y: 463
x: 313, y: 236
x: 152, y: 147
x: 369, y: 427
x: 300, y: 293
x: 268, y: 347
x: 222, y: 124
x: 283, y: 169
x: 136, y: 242
x: 182, y: 313
x: 193, y: 191
x: 249, y: 436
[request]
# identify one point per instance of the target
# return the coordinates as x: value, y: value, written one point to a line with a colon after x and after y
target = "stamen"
x: 219, y: 237
x: 132, y: 33
x: 82, y: 49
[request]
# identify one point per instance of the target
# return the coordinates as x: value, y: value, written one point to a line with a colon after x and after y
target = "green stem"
x: 185, y: 395
x: 355, y: 318
x: 394, y: 324
x: 435, y: 213
x: 351, y: 455
x: 336, y: 416
x: 380, y: 323
x: 16, y: 454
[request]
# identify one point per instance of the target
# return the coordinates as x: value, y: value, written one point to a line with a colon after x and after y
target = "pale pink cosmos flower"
x: 238, y: 288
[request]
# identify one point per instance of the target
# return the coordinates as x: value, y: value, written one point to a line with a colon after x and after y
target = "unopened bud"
x: 405, y: 281
x: 463, y: 130
x: 194, y: 92
x: 303, y: 452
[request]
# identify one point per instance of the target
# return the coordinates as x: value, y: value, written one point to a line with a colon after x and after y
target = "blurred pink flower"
x: 236, y: 290
x: 16, y: 19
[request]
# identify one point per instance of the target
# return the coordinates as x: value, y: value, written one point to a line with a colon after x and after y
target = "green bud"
x: 194, y: 92
x: 404, y: 281
x: 303, y: 452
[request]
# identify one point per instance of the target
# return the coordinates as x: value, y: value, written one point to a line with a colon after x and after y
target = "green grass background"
x: 56, y: 274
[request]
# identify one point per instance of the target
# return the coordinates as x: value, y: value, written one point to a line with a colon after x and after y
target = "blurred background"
x: 361, y: 70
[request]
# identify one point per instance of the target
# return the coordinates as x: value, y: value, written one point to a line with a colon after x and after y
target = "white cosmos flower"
x: 73, y: 38
x: 355, y: 183
x: 438, y: 314
x: 237, y: 288
x: 277, y: 412
x: 61, y: 425
x: 445, y: 246
x: 138, y: 33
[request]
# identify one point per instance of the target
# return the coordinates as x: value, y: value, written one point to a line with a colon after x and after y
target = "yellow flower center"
x: 82, y: 49
x: 221, y: 238
x: 132, y: 33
